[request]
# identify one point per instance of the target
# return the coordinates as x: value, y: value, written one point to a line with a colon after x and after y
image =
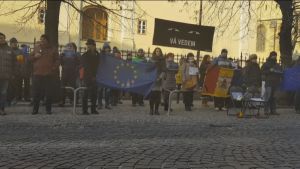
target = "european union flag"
x: 291, y: 79
x: 127, y: 76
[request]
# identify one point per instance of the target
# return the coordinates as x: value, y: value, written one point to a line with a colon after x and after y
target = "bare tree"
x: 223, y: 12
x: 53, y: 9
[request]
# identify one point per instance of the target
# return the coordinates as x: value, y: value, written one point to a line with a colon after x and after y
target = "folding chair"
x: 236, y: 101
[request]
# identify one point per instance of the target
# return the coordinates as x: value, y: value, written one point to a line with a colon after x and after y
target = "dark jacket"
x: 169, y: 76
x: 202, y: 72
x: 90, y: 62
x: 48, y: 63
x: 18, y: 66
x: 222, y: 62
x: 7, y: 62
x: 252, y: 75
x: 160, y: 64
x: 271, y: 73
x: 70, y: 63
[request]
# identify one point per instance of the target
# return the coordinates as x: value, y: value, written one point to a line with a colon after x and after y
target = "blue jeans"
x: 3, y: 92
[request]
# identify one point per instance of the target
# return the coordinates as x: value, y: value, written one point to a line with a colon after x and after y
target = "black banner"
x: 183, y: 35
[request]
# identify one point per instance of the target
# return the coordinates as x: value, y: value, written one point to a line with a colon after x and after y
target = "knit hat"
x: 13, y: 40
x: 90, y: 42
x: 106, y: 45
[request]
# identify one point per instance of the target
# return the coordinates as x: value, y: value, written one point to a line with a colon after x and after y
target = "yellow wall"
x: 123, y: 32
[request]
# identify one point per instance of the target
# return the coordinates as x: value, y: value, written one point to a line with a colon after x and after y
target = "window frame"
x: 140, y: 27
x: 94, y: 26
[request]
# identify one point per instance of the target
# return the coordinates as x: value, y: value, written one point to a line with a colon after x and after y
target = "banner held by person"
x: 132, y: 77
x: 217, y: 81
x: 183, y: 35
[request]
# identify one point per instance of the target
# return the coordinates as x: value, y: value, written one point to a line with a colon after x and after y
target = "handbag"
x: 191, y: 83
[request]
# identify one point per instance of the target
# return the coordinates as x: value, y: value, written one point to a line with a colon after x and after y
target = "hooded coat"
x: 252, y: 75
x: 271, y: 73
x: 7, y: 62
x: 160, y: 64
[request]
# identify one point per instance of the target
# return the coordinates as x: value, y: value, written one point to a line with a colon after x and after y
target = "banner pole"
x: 200, y: 23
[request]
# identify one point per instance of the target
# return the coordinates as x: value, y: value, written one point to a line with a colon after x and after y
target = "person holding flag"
x: 139, y: 58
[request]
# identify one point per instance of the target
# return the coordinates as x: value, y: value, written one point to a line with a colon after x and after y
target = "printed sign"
x: 183, y: 35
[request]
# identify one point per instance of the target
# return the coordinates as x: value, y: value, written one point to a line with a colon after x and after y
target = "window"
x: 94, y: 24
x: 142, y: 27
x: 261, y: 38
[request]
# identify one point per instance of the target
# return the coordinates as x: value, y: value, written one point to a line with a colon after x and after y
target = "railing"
x: 124, y: 54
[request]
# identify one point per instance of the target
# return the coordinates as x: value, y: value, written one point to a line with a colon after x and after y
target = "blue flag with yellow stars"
x: 127, y: 76
x: 291, y: 79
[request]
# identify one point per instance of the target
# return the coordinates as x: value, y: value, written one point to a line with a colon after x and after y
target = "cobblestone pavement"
x: 128, y: 137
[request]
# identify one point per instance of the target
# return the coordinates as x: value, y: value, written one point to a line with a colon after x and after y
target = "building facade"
x: 129, y: 25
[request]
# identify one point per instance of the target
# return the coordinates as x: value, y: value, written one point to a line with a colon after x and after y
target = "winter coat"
x: 7, y: 62
x: 202, y: 72
x: 222, y: 62
x: 186, y: 74
x: 252, y: 75
x: 48, y: 63
x: 160, y: 64
x: 169, y: 81
x: 271, y: 73
x: 70, y: 63
x: 90, y: 62
x: 138, y: 59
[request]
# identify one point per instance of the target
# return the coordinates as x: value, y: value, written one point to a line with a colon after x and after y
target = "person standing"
x: 179, y: 78
x: 272, y: 75
x: 90, y: 62
x: 13, y: 91
x: 252, y: 75
x: 104, y: 92
x: 45, y: 59
x: 155, y: 94
x: 138, y: 98
x: 169, y: 82
x: 7, y: 64
x: 202, y: 71
x: 297, y: 94
x: 26, y: 70
x: 70, y: 70
x: 221, y: 103
x: 190, y: 76
x: 115, y: 93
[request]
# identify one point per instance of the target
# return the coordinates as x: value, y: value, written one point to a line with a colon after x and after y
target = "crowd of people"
x: 41, y: 67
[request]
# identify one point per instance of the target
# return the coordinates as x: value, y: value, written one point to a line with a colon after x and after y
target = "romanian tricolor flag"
x: 217, y: 81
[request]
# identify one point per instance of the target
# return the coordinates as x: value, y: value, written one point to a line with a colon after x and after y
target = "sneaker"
x: 274, y: 113
x: 151, y: 112
x: 205, y: 105
x: 1, y: 112
x: 217, y: 108
x: 224, y: 109
x: 49, y: 112
x: 34, y: 113
x: 99, y: 106
x: 108, y: 107
x: 94, y: 112
x: 85, y: 113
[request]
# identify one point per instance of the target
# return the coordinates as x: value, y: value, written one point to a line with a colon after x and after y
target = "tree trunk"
x: 285, y: 41
x: 52, y: 20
